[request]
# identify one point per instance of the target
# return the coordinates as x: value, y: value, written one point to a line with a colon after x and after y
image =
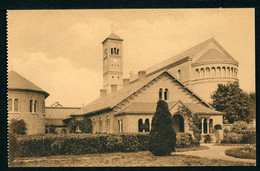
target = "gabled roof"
x: 143, y: 107
x: 213, y: 55
x: 59, y: 112
x: 113, y: 36
x: 113, y: 99
x: 199, y: 109
x: 186, y: 55
x: 18, y: 82
x: 55, y: 122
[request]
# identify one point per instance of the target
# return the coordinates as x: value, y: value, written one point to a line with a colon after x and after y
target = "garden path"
x: 215, y: 152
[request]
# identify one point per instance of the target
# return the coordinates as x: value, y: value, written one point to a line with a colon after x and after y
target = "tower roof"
x: 18, y: 82
x: 113, y: 36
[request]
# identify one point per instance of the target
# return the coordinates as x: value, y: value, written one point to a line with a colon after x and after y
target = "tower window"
x: 111, y: 51
x: 117, y: 52
x: 112, y: 76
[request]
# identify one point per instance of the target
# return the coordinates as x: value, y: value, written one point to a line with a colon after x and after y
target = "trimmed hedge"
x: 76, y: 144
x: 245, y: 152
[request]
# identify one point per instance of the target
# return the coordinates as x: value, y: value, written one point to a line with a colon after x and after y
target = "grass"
x: 241, y: 153
x: 143, y: 158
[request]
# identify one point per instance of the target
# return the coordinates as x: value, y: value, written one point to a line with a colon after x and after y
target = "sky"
x: 61, y: 52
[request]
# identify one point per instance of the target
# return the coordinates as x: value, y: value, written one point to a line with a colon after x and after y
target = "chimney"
x: 113, y: 88
x: 103, y: 92
x: 126, y: 82
x: 141, y: 75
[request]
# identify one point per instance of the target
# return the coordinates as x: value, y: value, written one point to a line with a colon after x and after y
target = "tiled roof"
x: 59, y: 112
x: 189, y: 53
x: 200, y: 109
x: 113, y: 36
x: 56, y: 122
x: 112, y: 99
x: 213, y: 55
x: 18, y: 82
x: 143, y: 107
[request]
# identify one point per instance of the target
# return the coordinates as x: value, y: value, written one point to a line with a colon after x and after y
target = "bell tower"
x: 112, y: 63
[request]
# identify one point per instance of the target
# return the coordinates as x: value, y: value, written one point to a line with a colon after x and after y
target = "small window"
x: 111, y: 51
x: 166, y: 97
x: 140, y: 125
x: 117, y: 52
x: 16, y: 105
x: 160, y: 93
x: 121, y: 125
x: 31, y: 105
x: 10, y: 105
x: 118, y: 77
x: 35, y: 106
x: 112, y: 76
x: 147, y: 125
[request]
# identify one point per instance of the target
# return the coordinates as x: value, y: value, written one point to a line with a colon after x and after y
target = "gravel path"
x: 215, y: 152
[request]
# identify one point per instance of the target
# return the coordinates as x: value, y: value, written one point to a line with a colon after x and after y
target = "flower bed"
x: 247, y: 152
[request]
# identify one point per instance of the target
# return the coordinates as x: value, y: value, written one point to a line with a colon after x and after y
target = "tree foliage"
x: 162, y: 138
x: 252, y: 105
x: 85, y: 125
x: 17, y: 127
x: 233, y: 101
x: 52, y: 129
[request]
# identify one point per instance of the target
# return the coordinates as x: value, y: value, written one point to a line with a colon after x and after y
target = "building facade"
x: 26, y: 101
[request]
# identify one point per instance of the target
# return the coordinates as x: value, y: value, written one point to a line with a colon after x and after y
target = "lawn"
x: 246, y: 152
x: 143, y: 158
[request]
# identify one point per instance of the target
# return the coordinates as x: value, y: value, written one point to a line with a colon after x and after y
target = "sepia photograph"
x: 131, y: 87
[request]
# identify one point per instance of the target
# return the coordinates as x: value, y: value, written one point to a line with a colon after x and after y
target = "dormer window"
x: 166, y: 95
x: 160, y: 93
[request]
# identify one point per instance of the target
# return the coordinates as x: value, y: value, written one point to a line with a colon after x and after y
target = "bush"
x: 232, y: 138
x: 11, y: 148
x: 239, y: 126
x: 17, y: 127
x: 184, y: 140
x: 207, y: 138
x: 249, y: 136
x: 162, y: 138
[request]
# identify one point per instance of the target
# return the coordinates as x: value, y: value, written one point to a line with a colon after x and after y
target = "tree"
x: 85, y: 125
x: 252, y: 105
x: 17, y: 127
x: 162, y: 138
x: 233, y: 101
x: 52, y: 129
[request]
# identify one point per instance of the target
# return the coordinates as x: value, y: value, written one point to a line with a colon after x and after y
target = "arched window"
x: 213, y: 72
x: 207, y: 72
x: 118, y: 123
x: 63, y: 131
x: 35, y: 106
x: 111, y: 51
x: 223, y: 72
x: 117, y: 52
x: 46, y: 131
x: 31, y: 105
x: 140, y: 125
x: 210, y: 126
x: 43, y: 107
x: 166, y: 94
x: 10, y: 105
x: 147, y: 125
x: 235, y: 73
x: 218, y: 72
x: 160, y: 93
x: 108, y: 124
x: 100, y: 125
x: 121, y: 125
x: 228, y: 72
x: 205, y: 126
x: 231, y: 72
x: 179, y: 74
x: 197, y: 73
x: 16, y: 105
x: 178, y: 123
x: 202, y: 73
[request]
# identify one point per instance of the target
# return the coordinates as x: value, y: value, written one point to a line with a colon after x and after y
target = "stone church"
x: 128, y: 104
x: 187, y: 80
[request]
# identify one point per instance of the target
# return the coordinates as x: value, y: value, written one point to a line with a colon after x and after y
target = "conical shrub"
x: 162, y: 138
